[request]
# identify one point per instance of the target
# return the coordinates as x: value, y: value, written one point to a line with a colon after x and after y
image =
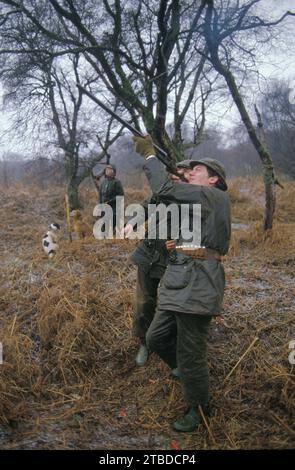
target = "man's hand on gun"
x: 144, y: 145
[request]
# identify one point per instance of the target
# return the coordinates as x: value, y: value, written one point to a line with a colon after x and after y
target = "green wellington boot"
x: 189, y: 422
x: 142, y: 355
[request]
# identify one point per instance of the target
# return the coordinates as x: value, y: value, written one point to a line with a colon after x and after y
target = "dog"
x: 49, y: 240
x: 78, y: 225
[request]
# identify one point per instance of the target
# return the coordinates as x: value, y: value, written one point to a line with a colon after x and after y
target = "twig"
x: 280, y: 421
x: 13, y: 325
x: 241, y: 358
x: 207, y: 425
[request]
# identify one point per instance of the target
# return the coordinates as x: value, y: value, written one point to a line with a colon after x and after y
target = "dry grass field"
x: 68, y: 378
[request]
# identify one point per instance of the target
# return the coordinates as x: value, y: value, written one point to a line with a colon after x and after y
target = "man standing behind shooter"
x: 151, y: 258
x: 109, y: 189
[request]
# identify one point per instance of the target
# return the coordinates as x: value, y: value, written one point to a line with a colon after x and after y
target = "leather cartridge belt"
x: 200, y: 253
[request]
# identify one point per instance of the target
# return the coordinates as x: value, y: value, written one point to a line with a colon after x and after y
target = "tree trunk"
x: 268, y: 176
x: 73, y: 193
x: 268, y: 169
x: 270, y: 196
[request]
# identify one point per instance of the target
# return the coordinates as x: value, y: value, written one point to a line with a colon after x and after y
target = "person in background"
x: 109, y: 189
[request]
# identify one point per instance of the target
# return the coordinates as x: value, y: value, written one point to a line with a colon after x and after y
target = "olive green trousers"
x: 180, y: 339
x: 145, y: 302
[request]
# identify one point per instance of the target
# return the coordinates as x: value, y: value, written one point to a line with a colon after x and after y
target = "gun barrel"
x: 161, y: 154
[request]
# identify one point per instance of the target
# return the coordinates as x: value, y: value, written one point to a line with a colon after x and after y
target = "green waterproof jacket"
x: 190, y: 285
x: 151, y: 260
x: 109, y: 189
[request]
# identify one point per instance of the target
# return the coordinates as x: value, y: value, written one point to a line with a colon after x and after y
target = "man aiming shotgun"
x: 191, y: 291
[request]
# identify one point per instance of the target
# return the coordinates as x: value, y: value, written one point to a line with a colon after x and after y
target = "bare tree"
x: 142, y: 51
x: 72, y: 129
x: 44, y: 91
x: 222, y: 26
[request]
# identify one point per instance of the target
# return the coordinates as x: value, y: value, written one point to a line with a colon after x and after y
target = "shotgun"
x: 160, y: 153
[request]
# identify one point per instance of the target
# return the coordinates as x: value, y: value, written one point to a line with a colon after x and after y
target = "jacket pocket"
x: 177, y: 275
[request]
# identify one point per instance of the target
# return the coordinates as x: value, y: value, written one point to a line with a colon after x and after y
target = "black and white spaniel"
x: 49, y: 241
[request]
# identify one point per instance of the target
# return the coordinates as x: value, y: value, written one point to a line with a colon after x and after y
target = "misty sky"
x: 279, y: 62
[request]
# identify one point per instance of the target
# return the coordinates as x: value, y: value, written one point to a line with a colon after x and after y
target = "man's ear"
x: 213, y: 180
